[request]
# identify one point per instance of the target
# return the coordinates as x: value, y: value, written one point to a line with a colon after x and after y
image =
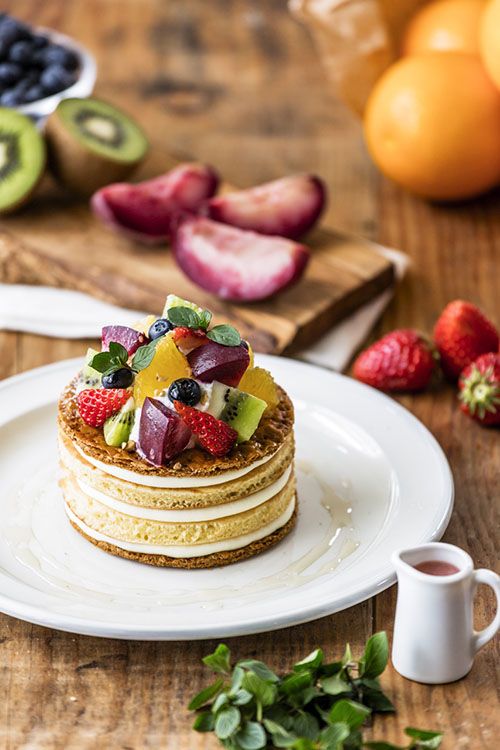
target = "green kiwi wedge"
x: 117, y: 428
x: 92, y: 143
x: 22, y: 159
x: 238, y: 409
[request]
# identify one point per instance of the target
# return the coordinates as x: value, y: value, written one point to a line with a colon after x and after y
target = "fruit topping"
x: 144, y: 324
x: 117, y: 428
x: 90, y: 377
x: 400, y: 361
x: 127, y: 337
x: 479, y: 386
x: 162, y: 433
x: 461, y: 334
x: 185, y: 390
x: 288, y: 207
x: 240, y: 410
x: 260, y: 383
x: 159, y: 328
x: 92, y: 143
x: 215, y: 361
x: 22, y: 159
x: 121, y: 378
x: 174, y: 301
x: 188, y: 339
x: 168, y: 364
x: 237, y: 264
x: 97, y: 404
x: 212, y: 434
x: 146, y: 211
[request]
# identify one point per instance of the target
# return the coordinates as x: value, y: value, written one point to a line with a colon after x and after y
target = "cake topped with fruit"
x: 175, y: 449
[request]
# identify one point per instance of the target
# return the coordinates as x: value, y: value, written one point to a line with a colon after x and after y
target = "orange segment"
x: 145, y: 324
x: 444, y: 26
x: 168, y: 364
x: 259, y: 383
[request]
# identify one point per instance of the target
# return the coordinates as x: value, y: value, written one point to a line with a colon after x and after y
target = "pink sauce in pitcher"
x: 437, y: 568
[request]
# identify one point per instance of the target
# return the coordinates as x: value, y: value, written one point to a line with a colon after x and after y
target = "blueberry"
x: 244, y: 344
x: 10, y: 73
x: 34, y: 93
x: 186, y: 390
x: 121, y: 378
x: 159, y: 328
x: 4, y: 50
x: 13, y: 31
x: 12, y: 98
x: 55, y: 54
x: 39, y: 41
x: 21, y: 52
x: 56, y: 78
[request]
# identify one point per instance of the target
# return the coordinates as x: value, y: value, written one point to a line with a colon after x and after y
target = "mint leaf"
x: 225, y: 335
x: 144, y: 356
x: 219, y: 661
x: 296, y: 682
x: 227, y: 722
x: 241, y: 698
x: 205, y: 695
x: 351, y: 713
x: 251, y: 736
x: 101, y: 362
x: 258, y: 668
x: 204, y: 722
x: 118, y: 351
x: 281, y: 736
x: 204, y: 319
x: 334, y: 685
x: 333, y: 737
x: 264, y: 692
x: 382, y: 746
x: 313, y: 661
x: 221, y: 700
x: 306, y: 725
x: 426, y: 739
x: 184, y: 316
x: 375, y: 656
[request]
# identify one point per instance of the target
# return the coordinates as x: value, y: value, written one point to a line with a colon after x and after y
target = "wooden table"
x: 237, y: 83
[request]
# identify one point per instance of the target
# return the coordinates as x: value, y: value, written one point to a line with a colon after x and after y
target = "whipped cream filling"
x: 194, y: 514
x: 184, y: 551
x: 171, y: 482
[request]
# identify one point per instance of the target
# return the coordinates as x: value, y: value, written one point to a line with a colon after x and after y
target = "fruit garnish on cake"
x: 175, y: 449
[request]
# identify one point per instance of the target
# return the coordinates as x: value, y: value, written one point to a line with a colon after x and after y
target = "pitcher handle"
x: 492, y: 580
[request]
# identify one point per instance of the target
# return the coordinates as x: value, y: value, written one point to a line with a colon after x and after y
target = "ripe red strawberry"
x: 213, y: 434
x: 188, y: 339
x: 461, y: 334
x: 479, y: 386
x: 400, y: 361
x: 97, y: 404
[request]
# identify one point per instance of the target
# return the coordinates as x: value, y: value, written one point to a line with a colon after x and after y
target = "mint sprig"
x: 225, y: 335
x: 317, y: 706
x: 189, y: 318
x: 116, y: 358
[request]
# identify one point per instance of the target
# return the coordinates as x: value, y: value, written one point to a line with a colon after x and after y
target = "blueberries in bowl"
x: 31, y: 66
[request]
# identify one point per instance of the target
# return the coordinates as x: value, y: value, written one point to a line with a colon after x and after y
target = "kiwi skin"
x: 75, y: 166
x: 26, y: 197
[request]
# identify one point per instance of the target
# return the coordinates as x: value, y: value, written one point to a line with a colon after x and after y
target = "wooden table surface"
x: 237, y: 83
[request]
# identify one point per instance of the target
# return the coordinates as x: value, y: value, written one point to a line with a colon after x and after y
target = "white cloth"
x: 62, y: 313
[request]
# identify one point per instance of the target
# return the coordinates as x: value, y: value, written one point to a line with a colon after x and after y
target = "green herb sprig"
x: 318, y: 706
x: 117, y: 357
x: 221, y: 334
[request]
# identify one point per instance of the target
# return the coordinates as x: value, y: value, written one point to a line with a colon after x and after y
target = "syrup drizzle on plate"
x: 37, y: 508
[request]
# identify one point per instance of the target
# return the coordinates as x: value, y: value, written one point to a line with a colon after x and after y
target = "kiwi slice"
x: 117, y: 428
x: 240, y: 410
x: 92, y: 143
x: 89, y: 377
x: 22, y: 159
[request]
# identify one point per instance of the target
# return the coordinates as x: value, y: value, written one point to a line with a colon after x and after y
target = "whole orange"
x: 444, y: 26
x: 489, y: 39
x: 432, y: 124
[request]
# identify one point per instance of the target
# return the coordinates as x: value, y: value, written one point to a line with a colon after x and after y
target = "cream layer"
x: 185, y: 551
x: 171, y: 482
x: 208, y: 513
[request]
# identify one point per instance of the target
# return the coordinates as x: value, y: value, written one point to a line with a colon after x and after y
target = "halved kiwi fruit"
x: 92, y: 143
x: 22, y: 159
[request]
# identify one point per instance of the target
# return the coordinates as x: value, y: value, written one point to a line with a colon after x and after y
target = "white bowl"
x: 83, y: 87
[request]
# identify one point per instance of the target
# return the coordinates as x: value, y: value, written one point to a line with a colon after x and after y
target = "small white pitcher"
x: 434, y: 638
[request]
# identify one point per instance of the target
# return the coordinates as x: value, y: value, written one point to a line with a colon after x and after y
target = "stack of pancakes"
x: 196, y: 511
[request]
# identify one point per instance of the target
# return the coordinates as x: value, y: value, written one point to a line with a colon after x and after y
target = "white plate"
x: 387, y: 482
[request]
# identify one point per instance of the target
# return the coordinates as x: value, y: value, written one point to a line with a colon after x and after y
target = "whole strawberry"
x: 461, y: 334
x: 214, y: 435
x: 400, y: 361
x: 479, y: 386
x: 97, y: 404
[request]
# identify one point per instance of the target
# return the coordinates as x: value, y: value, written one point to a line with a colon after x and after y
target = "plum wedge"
x: 236, y: 264
x: 288, y: 207
x: 147, y: 210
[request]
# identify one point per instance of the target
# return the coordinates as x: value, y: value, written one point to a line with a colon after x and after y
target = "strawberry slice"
x: 237, y: 264
x: 147, y: 210
x: 287, y: 207
x: 97, y: 404
x: 213, y: 435
x: 188, y: 339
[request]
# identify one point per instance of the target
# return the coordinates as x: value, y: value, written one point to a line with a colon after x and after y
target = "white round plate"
x: 371, y: 479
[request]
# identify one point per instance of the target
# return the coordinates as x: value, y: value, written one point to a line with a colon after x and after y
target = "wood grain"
x: 237, y: 83
x: 57, y: 241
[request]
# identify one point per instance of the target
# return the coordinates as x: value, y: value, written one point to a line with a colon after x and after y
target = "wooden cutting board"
x: 58, y: 242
